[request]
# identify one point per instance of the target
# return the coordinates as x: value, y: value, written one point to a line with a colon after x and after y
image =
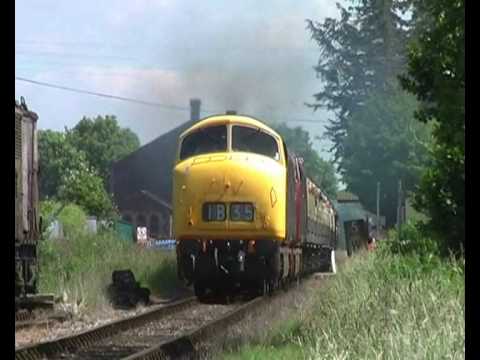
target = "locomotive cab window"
x: 254, y: 141
x: 203, y: 141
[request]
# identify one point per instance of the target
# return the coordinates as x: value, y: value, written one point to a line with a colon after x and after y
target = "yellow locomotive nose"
x: 229, y: 196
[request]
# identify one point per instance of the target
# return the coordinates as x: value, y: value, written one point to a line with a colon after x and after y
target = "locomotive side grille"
x: 18, y: 137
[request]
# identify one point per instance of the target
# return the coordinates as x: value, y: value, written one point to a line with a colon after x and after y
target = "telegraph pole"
x: 378, y: 209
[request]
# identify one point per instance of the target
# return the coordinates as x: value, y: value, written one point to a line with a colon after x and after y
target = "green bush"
x: 72, y: 216
x: 73, y: 219
x: 411, y: 240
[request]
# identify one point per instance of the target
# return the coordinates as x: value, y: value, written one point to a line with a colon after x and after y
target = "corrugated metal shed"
x: 344, y: 196
x: 124, y: 230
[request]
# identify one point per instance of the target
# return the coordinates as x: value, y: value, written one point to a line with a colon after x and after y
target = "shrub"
x: 411, y: 240
x: 72, y: 217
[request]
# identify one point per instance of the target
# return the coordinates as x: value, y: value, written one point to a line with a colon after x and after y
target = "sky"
x: 255, y: 57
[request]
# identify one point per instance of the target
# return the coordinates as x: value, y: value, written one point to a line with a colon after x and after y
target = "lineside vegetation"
x: 402, y: 302
x: 80, y: 264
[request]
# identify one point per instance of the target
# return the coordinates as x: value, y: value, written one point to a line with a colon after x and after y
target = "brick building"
x: 142, y: 182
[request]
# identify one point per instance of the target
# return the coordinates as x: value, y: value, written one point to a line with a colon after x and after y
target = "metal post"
x: 399, y: 207
x: 378, y: 209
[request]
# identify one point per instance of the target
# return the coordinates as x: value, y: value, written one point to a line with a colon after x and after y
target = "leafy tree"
x: 385, y: 144
x: 56, y: 156
x: 320, y: 171
x: 66, y: 176
x: 82, y: 186
x: 103, y: 141
x: 436, y: 75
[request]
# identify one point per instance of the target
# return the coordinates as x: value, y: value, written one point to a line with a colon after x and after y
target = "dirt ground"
x: 87, y: 319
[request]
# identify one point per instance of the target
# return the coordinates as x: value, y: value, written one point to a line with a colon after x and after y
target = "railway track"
x: 116, y: 340
x: 162, y: 332
x: 169, y: 331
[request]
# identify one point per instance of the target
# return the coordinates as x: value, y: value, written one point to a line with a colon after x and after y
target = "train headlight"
x: 241, y: 212
x: 241, y: 256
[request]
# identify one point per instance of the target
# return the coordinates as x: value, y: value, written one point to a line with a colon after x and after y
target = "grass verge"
x: 381, y: 305
x: 80, y: 266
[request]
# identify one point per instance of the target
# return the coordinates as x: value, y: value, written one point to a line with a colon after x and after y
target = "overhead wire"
x: 109, y: 96
x: 139, y: 101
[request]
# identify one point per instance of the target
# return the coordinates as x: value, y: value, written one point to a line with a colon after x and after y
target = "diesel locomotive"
x: 245, y: 213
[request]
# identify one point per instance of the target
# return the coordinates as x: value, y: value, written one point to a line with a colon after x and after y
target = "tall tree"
x: 320, y: 171
x: 359, y: 53
x: 385, y: 144
x: 436, y: 75
x: 103, y: 141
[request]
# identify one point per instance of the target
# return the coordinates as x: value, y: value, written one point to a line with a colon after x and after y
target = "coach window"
x: 203, y: 141
x: 255, y: 141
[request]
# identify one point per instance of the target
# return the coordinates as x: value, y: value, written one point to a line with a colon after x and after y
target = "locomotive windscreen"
x: 255, y: 141
x: 204, y: 141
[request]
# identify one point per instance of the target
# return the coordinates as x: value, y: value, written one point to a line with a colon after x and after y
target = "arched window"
x: 154, y: 225
x: 141, y: 220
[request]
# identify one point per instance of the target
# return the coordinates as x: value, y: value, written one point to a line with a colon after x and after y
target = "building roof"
x: 344, y: 196
x: 149, y: 169
x: 156, y: 199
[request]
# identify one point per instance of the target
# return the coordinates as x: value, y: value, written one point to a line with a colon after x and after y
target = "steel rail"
x: 184, y: 345
x: 85, y: 338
